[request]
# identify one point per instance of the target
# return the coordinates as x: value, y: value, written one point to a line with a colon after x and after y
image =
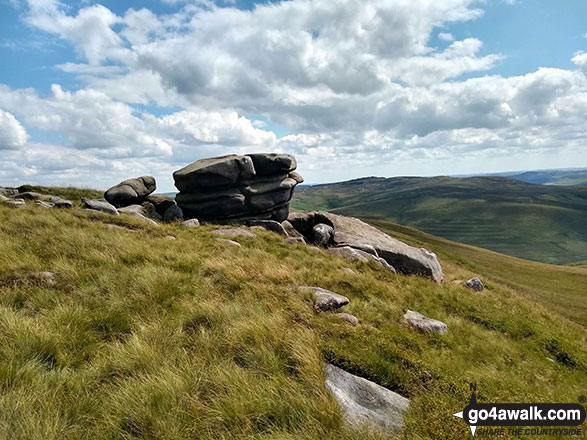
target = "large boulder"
x: 131, y: 191
x: 350, y: 231
x: 241, y: 188
x: 475, y: 284
x: 364, y: 403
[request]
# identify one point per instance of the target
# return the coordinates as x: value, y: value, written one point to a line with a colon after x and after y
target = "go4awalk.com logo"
x: 544, y: 419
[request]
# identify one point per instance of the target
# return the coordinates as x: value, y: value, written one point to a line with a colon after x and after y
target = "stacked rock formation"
x: 252, y: 187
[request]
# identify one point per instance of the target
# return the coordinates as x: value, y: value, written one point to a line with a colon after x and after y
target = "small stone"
x: 347, y: 317
x: 191, y: 223
x: 423, y: 323
x: 233, y: 232
x: 348, y: 271
x: 47, y: 277
x: 171, y: 237
x: 325, y: 300
x: 474, y: 284
x: 230, y: 242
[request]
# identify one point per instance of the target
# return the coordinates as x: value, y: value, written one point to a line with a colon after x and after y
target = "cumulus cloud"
x: 12, y: 133
x: 357, y: 82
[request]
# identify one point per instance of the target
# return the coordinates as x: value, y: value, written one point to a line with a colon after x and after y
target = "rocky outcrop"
x: 58, y: 202
x: 349, y: 231
x: 423, y: 323
x: 364, y: 402
x: 131, y: 191
x: 474, y: 284
x: 325, y: 300
x: 8, y: 192
x: 251, y: 187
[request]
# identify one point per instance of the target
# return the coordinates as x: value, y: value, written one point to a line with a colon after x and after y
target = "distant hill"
x: 571, y: 176
x: 536, y: 222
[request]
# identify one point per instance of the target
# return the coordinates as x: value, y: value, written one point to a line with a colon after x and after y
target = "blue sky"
x: 369, y: 87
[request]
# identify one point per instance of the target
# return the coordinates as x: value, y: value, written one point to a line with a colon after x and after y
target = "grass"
x: 536, y: 222
x: 67, y: 193
x: 142, y: 336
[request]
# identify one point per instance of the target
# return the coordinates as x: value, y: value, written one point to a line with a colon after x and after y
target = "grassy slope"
x: 146, y: 337
x: 536, y: 222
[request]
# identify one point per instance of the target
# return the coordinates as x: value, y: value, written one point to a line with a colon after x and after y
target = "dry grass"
x: 139, y: 336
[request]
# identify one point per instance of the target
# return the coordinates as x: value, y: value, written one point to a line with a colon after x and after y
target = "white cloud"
x: 445, y: 36
x: 357, y: 82
x: 12, y: 133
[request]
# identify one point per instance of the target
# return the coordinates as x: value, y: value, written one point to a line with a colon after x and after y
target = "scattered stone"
x: 474, y: 284
x: 423, y: 323
x: 270, y: 225
x: 325, y: 300
x: 3, y: 198
x: 364, y: 402
x: 348, y: 271
x: 131, y: 191
x: 295, y: 240
x: 173, y: 213
x: 61, y: 203
x: 99, y: 205
x: 171, y: 237
x: 251, y: 187
x: 358, y: 255
x: 349, y: 231
x: 43, y: 204
x: 230, y: 242
x: 347, y: 317
x: 314, y: 249
x: 322, y: 234
x: 28, y: 195
x: 191, y: 223
x: 233, y: 232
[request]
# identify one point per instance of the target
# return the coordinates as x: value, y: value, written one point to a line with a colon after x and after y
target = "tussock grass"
x: 139, y: 336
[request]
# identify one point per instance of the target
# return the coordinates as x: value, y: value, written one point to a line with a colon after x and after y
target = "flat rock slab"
x: 100, y: 205
x: 364, y: 402
x: 475, y: 284
x: 423, y: 323
x: 233, y: 232
x: 270, y: 225
x: 229, y: 242
x: 325, y: 300
x: 61, y: 203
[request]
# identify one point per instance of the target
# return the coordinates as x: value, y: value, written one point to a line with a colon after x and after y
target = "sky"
x: 94, y: 92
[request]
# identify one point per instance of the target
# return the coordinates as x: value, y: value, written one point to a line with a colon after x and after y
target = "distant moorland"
x: 536, y: 222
